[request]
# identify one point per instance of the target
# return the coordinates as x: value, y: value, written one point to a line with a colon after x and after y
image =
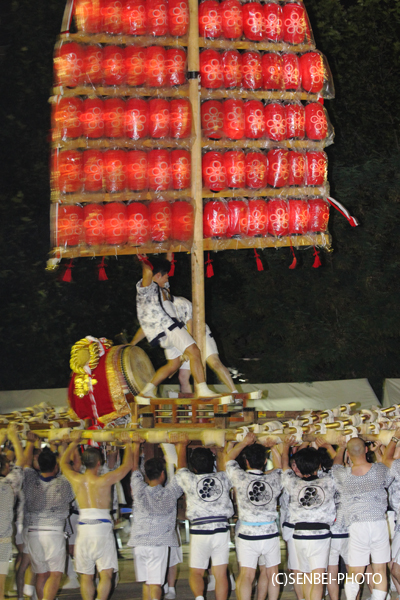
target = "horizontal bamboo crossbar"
x: 267, y: 144
x: 285, y: 192
x: 223, y: 44
x: 96, y: 197
x: 122, y: 90
x: 223, y: 93
x: 120, y: 40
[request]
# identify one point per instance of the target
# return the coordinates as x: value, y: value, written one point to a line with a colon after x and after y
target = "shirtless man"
x: 95, y: 544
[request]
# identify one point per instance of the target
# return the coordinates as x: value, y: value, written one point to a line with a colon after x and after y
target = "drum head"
x: 136, y: 368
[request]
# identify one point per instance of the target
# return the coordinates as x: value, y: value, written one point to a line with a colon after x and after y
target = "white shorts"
x: 368, y: 539
x: 47, y: 549
x: 396, y: 548
x: 151, y: 563
x: 312, y: 554
x: 175, y: 556
x: 211, y: 348
x: 95, y: 546
x: 391, y: 521
x: 176, y: 342
x: 339, y: 547
x: 5, y: 555
x: 287, y: 535
x: 4, y: 566
x: 250, y: 551
x: 204, y: 547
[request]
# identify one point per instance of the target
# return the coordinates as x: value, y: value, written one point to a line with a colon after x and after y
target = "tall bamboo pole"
x: 197, y: 257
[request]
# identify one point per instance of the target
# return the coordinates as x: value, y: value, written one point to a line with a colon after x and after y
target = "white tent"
x: 391, y: 392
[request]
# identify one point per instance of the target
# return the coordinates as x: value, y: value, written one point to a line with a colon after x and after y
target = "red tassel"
x: 321, y: 100
x: 143, y: 258
x: 294, y: 261
x: 258, y: 261
x: 209, y: 270
x: 102, y: 271
x: 172, y: 269
x: 67, y: 275
x: 317, y: 261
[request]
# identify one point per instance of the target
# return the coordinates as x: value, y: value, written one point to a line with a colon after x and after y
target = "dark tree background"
x: 336, y: 322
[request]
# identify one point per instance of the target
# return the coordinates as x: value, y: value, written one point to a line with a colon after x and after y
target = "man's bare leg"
x: 222, y: 372
x: 262, y: 583
x: 244, y: 583
x: 2, y: 585
x: 88, y: 590
x: 105, y: 583
x: 184, y: 381
x: 41, y: 579
x: 220, y: 573
x: 333, y: 584
x: 196, y: 581
x: 20, y: 577
x: 51, y: 586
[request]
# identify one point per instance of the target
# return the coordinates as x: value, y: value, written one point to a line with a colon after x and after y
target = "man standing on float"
x: 159, y: 321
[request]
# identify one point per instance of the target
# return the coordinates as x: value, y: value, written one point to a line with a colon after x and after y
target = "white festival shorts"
x: 47, y: 549
x: 368, y: 539
x: 262, y: 552
x: 211, y: 348
x: 95, y: 547
x: 151, y: 564
x: 176, y: 342
x: 312, y: 554
x: 214, y: 546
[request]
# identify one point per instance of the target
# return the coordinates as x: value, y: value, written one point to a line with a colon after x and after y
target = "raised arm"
x: 12, y: 433
x: 138, y: 337
x: 285, y: 452
x: 67, y: 458
x: 388, y: 455
x: 31, y: 439
x: 234, y: 452
x: 338, y: 460
x: 147, y: 271
x: 181, y: 441
x: 136, y: 442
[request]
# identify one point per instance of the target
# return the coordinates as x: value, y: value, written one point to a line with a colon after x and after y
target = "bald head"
x: 356, y: 447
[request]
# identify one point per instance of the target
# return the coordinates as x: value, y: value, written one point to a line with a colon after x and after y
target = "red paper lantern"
x: 178, y: 17
x: 136, y: 170
x: 253, y: 21
x: 156, y: 71
x: 159, y: 170
x: 182, y: 221
x: 312, y: 72
x: 238, y: 218
x: 114, y: 118
x: 92, y: 118
x: 210, y: 19
x: 176, y: 66
x: 93, y: 64
x: 295, y: 121
x: 256, y: 168
x: 234, y: 119
x: 69, y: 167
x: 272, y: 71
x: 160, y: 220
x: 316, y: 168
x: 278, y: 217
x: 93, y: 224
x: 113, y: 17
x: 213, y: 168
x: 254, y: 120
x: 211, y: 73
x: 157, y: 17
x: 114, y: 70
x: 298, y: 216
x: 135, y: 65
x: 92, y: 170
x: 291, y: 72
x: 232, y: 67
x: 69, y: 225
x: 180, y: 118
x: 115, y: 228
x: 273, y: 25
x: 318, y: 215
x: 88, y: 16
x: 278, y: 168
x: 134, y: 15
x: 215, y: 219
x: 212, y: 119
x: 275, y: 121
x: 297, y: 168
x: 138, y: 224
x: 114, y: 170
x: 180, y: 169
x: 234, y: 162
x: 67, y: 118
x: 258, y: 217
x: 316, y: 121
x: 294, y: 23
x: 69, y: 65
x: 158, y: 118
x: 251, y: 70
x: 232, y: 19
x: 136, y: 119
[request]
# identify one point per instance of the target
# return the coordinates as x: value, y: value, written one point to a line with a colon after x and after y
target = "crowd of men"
x: 326, y: 503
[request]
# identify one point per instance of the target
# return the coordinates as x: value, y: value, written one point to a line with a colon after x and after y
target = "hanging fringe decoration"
x: 172, y: 269
x: 258, y: 261
x: 339, y: 207
x: 209, y: 270
x: 67, y: 275
x: 294, y: 261
x: 317, y: 261
x: 102, y: 271
x: 143, y: 258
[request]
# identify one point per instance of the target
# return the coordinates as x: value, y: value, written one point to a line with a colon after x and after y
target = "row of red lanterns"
x: 116, y: 223
x: 237, y: 119
x: 115, y: 171
x: 257, y: 217
x: 271, y: 71
x: 255, y: 21
x: 278, y: 168
x: 115, y: 118
x: 133, y: 17
x: 111, y: 65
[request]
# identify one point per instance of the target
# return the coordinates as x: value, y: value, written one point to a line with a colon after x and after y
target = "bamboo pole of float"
x: 197, y: 254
